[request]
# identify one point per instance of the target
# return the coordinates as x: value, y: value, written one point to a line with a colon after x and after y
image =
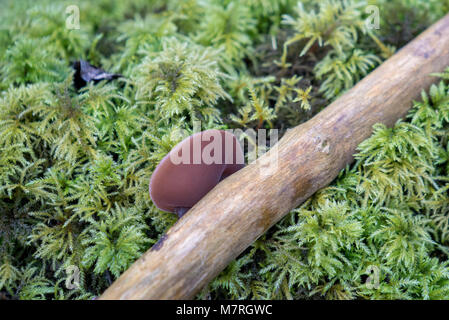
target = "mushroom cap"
x: 181, y: 184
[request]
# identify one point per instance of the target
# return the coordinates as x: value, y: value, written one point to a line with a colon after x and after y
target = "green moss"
x: 75, y: 166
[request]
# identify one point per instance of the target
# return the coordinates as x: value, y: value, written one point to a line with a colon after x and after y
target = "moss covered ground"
x: 75, y: 164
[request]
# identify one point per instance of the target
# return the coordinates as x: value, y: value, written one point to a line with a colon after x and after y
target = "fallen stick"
x: 242, y: 207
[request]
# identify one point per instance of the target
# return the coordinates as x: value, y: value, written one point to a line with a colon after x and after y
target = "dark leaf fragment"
x: 85, y: 72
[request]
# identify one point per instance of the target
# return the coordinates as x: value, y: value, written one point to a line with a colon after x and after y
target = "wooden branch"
x: 242, y: 207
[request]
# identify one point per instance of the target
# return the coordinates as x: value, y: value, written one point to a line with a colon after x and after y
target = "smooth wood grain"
x: 242, y: 207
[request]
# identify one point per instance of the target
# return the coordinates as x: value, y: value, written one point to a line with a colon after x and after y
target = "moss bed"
x: 75, y: 164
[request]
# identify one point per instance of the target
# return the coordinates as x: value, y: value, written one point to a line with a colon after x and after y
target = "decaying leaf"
x: 85, y: 72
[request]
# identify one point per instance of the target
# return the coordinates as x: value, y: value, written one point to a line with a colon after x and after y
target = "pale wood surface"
x: 242, y: 207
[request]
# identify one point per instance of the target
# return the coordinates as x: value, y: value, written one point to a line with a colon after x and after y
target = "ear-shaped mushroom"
x: 193, y: 167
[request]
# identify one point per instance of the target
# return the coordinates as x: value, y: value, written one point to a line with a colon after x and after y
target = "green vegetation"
x: 75, y: 166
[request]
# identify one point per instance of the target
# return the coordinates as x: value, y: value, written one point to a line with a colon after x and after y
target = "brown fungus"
x: 193, y: 167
